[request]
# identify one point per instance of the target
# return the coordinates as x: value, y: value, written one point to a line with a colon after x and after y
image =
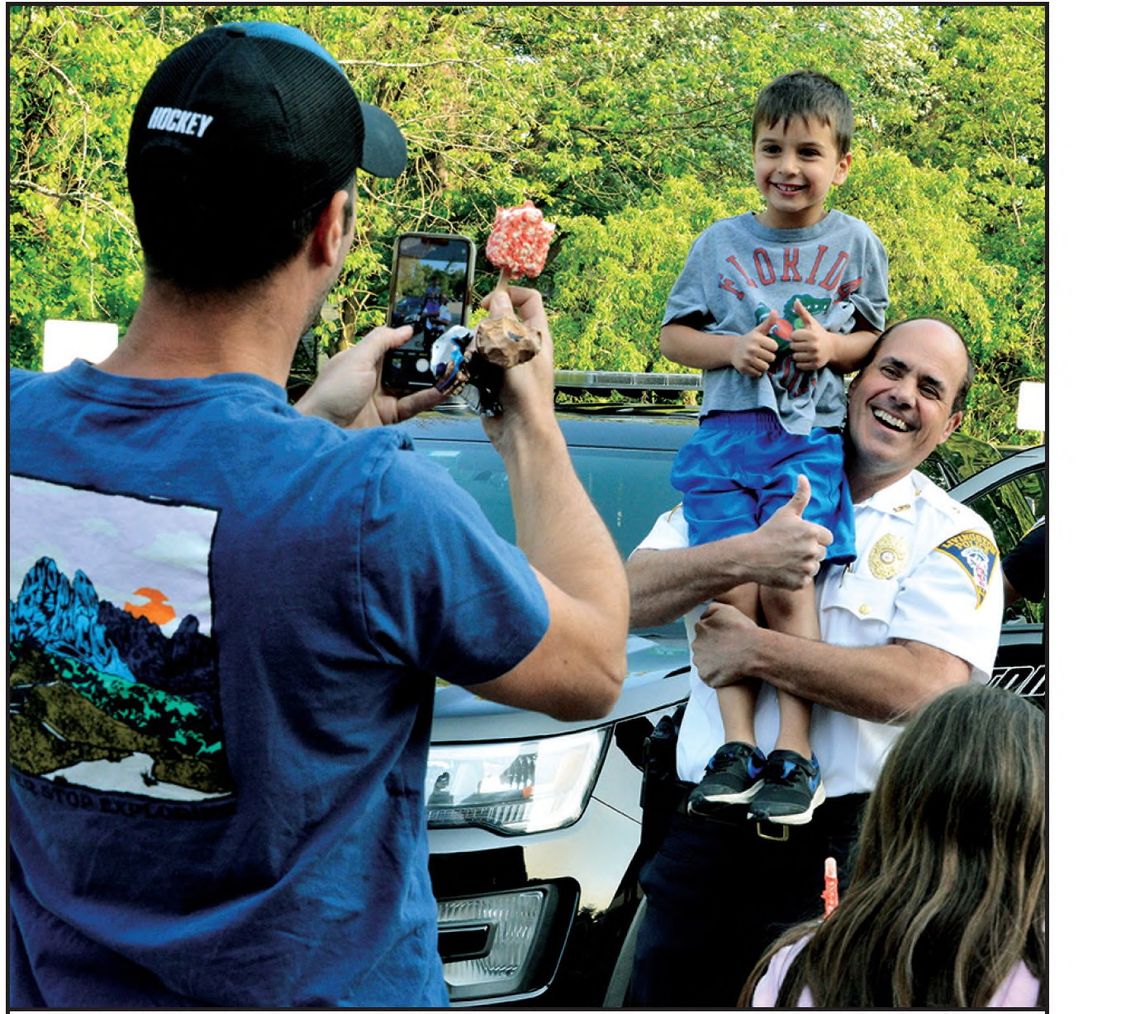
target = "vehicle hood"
x: 657, y: 676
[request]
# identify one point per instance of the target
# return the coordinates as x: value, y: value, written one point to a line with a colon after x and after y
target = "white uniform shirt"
x: 926, y: 570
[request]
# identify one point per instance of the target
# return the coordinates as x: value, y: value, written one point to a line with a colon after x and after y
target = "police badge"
x: 887, y: 557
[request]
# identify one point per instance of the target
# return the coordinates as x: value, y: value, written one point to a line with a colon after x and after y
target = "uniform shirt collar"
x: 897, y: 499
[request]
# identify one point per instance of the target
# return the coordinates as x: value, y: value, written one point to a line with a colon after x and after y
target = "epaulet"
x: 977, y: 555
x: 936, y: 497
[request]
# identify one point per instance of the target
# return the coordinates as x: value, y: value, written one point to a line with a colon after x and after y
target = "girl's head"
x: 946, y: 893
x: 961, y: 799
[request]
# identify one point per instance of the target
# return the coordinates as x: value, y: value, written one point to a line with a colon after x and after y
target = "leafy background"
x: 627, y: 124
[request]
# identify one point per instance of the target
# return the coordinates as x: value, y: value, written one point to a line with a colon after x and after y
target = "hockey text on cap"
x: 179, y: 121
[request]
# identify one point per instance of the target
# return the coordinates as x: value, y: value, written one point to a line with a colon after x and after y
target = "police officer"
x: 914, y: 615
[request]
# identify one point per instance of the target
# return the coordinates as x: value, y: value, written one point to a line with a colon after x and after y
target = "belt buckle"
x: 762, y: 824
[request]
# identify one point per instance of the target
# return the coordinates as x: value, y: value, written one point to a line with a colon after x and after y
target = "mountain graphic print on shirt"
x: 113, y: 677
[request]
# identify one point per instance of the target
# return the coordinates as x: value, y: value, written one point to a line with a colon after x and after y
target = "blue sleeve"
x: 443, y: 593
x: 1026, y: 564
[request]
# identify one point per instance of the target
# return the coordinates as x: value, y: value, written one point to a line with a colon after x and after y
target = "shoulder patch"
x: 976, y: 555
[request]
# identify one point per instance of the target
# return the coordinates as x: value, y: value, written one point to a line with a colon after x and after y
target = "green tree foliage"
x: 612, y: 277
x: 628, y: 124
x: 72, y: 249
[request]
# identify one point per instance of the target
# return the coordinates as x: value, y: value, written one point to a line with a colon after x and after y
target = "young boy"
x: 775, y: 306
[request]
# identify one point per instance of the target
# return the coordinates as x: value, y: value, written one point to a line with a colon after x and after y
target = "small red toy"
x: 830, y: 894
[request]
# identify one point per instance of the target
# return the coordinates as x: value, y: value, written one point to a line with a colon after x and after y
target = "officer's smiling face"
x: 900, y: 407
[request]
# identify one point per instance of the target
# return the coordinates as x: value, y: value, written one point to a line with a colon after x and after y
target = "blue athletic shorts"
x: 740, y: 467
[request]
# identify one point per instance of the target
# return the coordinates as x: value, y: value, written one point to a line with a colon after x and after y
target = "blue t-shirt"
x: 224, y: 623
x: 738, y: 271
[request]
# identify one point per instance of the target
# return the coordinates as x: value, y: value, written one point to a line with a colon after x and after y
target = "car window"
x: 1011, y: 510
x: 479, y: 470
x: 629, y: 488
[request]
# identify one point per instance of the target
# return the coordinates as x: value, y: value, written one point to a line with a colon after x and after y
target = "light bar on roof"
x: 619, y: 381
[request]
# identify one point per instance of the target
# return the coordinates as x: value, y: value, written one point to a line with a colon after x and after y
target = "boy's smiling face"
x: 795, y: 167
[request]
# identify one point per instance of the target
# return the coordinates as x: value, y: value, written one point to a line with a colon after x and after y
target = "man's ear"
x: 328, y: 234
x: 952, y: 424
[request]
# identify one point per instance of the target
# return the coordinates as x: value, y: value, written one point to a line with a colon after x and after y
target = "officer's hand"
x: 724, y: 645
x: 786, y: 551
x: 348, y: 392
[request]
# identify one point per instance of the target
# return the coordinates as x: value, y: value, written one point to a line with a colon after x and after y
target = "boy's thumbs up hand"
x: 813, y: 346
x: 754, y: 351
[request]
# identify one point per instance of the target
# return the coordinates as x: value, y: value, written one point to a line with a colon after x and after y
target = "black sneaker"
x: 730, y: 781
x: 791, y: 787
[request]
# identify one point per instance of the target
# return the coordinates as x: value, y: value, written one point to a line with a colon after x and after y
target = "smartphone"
x: 432, y: 279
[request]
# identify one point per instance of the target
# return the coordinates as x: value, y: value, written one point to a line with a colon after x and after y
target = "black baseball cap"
x: 255, y: 112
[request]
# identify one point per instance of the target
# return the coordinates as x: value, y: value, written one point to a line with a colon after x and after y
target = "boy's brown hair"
x: 805, y: 93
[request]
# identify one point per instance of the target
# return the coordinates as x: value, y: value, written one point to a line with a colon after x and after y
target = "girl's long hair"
x: 947, y: 890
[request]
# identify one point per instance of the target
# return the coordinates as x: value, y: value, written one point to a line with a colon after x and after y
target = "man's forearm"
x: 666, y: 584
x: 884, y: 683
x: 785, y: 552
x: 556, y: 524
x: 577, y: 668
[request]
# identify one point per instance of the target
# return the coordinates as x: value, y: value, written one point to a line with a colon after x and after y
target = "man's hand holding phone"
x: 348, y: 392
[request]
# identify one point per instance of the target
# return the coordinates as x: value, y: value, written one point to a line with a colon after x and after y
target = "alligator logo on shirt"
x: 113, y: 681
x: 790, y: 320
x: 793, y: 380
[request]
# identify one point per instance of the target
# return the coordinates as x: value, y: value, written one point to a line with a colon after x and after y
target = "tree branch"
x: 72, y: 90
x: 78, y: 196
x: 413, y: 66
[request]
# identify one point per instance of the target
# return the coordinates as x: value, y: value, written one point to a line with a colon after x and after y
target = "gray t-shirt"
x: 738, y: 270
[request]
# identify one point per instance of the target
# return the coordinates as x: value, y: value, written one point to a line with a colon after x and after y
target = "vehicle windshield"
x: 629, y: 488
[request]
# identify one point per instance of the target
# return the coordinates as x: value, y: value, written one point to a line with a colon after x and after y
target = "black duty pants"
x: 718, y: 895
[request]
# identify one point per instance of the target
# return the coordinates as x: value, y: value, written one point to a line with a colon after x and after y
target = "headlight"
x: 492, y: 945
x: 518, y: 787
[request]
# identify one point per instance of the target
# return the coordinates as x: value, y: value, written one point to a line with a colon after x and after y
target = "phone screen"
x: 431, y: 291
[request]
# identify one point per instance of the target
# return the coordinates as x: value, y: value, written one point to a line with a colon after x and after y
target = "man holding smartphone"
x: 216, y: 794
